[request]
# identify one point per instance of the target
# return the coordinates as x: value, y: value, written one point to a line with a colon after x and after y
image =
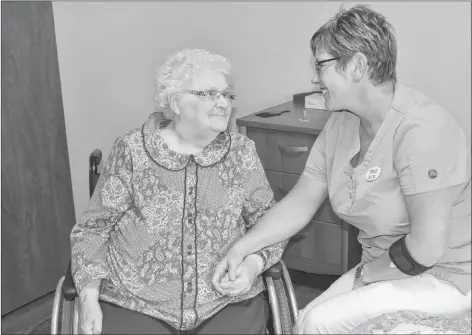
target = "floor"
x: 308, y: 286
x: 35, y: 319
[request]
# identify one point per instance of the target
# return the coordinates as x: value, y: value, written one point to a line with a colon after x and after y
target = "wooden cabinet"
x: 283, y: 144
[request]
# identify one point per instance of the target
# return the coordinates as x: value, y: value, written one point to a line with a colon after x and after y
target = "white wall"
x: 108, y: 53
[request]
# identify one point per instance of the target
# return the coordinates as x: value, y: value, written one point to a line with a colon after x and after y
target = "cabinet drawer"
x: 282, y: 183
x: 281, y: 150
x: 322, y: 244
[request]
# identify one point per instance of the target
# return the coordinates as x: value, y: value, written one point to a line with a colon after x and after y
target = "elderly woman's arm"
x: 89, y: 237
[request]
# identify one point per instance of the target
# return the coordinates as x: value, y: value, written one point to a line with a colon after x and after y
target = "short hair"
x: 360, y: 29
x: 180, y: 68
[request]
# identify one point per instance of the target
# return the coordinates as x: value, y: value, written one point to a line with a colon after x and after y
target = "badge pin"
x: 373, y: 173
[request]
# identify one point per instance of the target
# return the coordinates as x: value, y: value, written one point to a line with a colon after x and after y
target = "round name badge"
x: 373, y: 173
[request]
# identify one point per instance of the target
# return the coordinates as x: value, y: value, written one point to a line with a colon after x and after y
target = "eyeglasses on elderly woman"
x: 212, y: 95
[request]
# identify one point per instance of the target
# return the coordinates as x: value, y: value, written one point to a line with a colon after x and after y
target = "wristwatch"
x: 263, y: 256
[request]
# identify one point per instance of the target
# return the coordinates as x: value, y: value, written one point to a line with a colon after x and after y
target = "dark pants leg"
x: 245, y: 317
x: 118, y: 320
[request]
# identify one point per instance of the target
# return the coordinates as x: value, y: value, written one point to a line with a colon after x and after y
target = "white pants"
x: 340, y: 309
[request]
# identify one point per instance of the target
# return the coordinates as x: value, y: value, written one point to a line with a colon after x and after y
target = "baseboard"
x: 24, y: 319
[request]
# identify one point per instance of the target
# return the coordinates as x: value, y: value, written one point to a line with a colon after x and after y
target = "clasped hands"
x: 235, y: 276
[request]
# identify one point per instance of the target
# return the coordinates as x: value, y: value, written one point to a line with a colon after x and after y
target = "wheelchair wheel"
x: 286, y: 316
x: 67, y: 322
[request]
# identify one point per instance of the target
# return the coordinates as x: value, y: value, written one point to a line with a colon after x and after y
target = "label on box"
x: 315, y: 101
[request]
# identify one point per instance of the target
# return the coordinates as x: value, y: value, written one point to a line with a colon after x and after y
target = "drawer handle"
x: 293, y: 149
x: 283, y: 190
x: 299, y: 236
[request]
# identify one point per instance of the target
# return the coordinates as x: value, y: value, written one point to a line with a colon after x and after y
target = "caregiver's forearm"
x: 382, y: 268
x: 427, y: 253
x: 379, y: 269
x: 280, y: 223
x: 286, y: 218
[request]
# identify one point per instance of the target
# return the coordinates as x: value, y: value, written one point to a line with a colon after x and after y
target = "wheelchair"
x: 282, y: 300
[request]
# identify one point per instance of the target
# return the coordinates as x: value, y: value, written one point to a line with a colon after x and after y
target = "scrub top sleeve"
x: 430, y: 151
x: 315, y: 167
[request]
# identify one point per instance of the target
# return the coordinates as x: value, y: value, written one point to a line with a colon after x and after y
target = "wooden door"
x: 37, y: 204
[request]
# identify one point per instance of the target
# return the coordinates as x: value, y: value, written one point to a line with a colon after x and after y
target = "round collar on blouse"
x: 160, y: 152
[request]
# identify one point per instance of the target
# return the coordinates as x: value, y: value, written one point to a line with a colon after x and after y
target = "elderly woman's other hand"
x: 90, y: 316
x: 246, y: 274
x: 90, y: 313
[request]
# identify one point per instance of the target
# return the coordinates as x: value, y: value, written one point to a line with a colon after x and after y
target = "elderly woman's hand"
x: 227, y: 268
x: 90, y: 313
x: 246, y: 274
x: 90, y: 316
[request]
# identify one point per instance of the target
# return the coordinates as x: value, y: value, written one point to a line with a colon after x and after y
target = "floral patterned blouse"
x: 159, y: 222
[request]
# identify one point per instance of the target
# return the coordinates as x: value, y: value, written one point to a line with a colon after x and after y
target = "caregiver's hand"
x: 245, y: 275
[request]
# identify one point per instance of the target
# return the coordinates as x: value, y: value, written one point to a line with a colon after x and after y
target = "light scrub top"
x: 419, y: 148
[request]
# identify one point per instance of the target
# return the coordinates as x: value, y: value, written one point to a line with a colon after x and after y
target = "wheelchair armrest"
x: 94, y: 161
x: 275, y: 271
x: 68, y: 287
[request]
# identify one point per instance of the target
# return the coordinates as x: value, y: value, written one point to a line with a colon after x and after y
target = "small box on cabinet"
x: 315, y: 101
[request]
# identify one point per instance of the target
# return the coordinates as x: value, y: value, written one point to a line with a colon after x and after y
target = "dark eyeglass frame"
x: 321, y: 62
x: 212, y: 95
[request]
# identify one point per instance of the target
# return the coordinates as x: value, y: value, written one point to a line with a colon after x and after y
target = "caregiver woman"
x: 394, y: 164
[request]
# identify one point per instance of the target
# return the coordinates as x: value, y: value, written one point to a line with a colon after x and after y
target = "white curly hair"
x: 181, y: 67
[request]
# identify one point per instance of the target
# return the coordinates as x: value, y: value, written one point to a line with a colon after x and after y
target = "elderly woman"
x: 395, y: 165
x: 172, y: 198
